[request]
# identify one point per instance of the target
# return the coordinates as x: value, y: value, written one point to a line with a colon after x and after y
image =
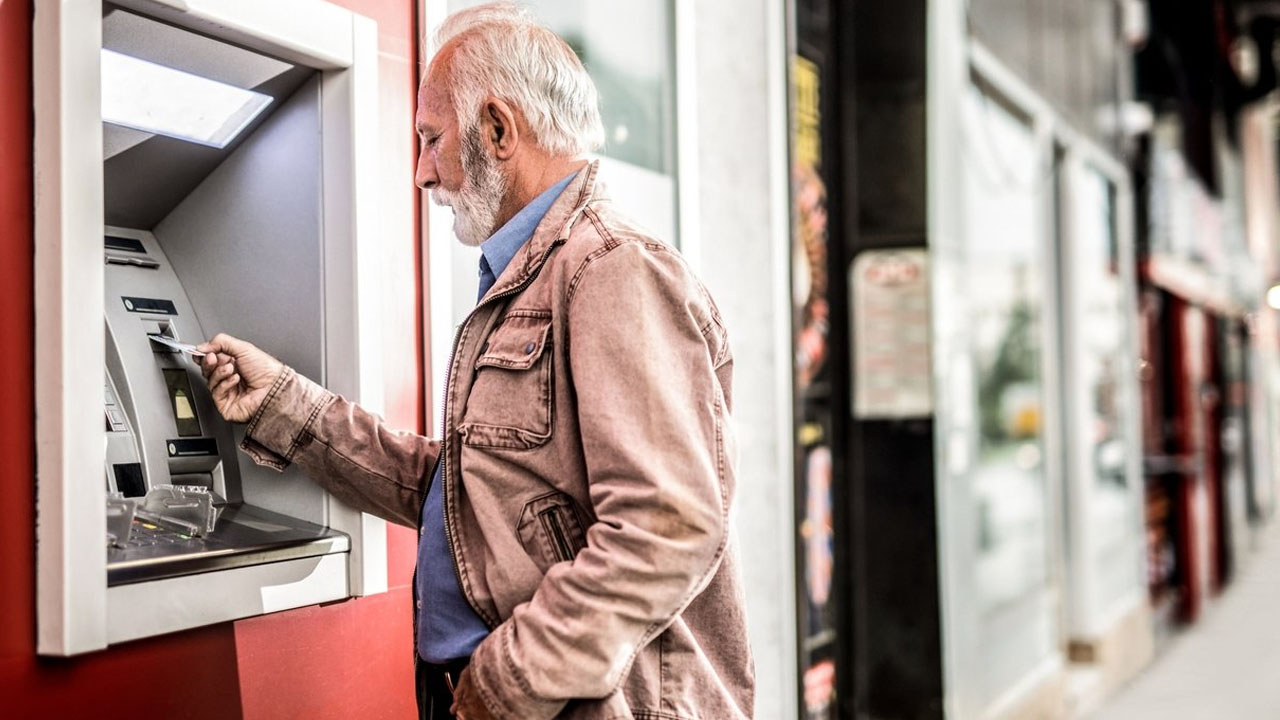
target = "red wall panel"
x: 350, y: 659
x: 17, y: 560
x: 191, y: 675
x: 342, y: 660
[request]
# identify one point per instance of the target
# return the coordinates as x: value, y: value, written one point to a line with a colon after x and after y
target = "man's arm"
x: 652, y: 420
x: 347, y: 450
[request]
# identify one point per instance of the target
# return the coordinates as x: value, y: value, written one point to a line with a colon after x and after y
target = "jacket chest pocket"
x: 509, y: 405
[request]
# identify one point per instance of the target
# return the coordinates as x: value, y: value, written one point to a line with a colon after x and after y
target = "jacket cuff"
x: 502, y: 686
x: 286, y: 415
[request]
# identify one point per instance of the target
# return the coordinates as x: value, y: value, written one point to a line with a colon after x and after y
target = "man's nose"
x: 425, y: 177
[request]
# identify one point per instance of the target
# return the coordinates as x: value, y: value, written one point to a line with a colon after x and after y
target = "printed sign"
x: 892, y: 376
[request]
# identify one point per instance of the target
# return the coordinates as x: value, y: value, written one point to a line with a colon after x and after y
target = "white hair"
x: 504, y: 52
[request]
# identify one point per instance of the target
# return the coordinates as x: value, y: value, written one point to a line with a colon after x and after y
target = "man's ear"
x: 499, y: 122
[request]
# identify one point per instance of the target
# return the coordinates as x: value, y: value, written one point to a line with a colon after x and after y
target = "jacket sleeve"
x: 652, y: 416
x: 347, y: 450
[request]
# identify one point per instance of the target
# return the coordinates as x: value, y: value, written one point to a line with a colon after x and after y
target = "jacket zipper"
x: 444, y: 434
x: 551, y: 521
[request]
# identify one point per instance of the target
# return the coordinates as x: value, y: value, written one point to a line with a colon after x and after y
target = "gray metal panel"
x: 247, y: 246
x: 117, y: 138
x: 163, y: 44
x: 145, y: 178
x: 147, y: 175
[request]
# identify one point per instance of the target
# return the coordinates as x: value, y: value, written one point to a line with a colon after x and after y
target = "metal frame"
x: 780, y: 45
x: 954, y: 57
x: 1085, y: 621
x: 75, y: 611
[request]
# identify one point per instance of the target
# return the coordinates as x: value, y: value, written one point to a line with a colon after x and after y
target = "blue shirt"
x: 448, y: 627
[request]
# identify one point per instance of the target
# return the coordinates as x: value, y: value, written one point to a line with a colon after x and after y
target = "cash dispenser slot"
x: 160, y: 548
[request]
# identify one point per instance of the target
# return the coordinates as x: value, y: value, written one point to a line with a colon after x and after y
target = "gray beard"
x: 475, y: 205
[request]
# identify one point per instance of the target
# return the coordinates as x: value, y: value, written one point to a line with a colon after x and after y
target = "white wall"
x: 743, y: 257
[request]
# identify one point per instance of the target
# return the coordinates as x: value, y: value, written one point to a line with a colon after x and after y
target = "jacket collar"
x: 553, y: 228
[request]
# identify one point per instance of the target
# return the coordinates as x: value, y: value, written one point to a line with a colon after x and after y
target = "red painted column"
x: 1189, y: 420
x: 17, y: 561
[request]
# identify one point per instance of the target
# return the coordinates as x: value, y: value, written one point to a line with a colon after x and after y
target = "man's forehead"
x: 433, y: 96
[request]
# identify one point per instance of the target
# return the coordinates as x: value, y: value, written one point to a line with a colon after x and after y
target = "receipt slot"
x: 248, y: 208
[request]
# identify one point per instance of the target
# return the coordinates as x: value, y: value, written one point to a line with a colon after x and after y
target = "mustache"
x: 444, y: 198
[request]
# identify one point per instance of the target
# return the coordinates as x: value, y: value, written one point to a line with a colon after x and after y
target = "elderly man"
x: 574, y: 556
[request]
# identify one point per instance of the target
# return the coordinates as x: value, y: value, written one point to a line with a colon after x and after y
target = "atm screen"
x: 182, y: 402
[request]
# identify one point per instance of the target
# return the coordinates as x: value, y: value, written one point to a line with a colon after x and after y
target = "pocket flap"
x: 517, y: 343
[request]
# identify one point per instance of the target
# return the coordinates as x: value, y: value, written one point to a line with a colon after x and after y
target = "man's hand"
x: 467, y: 704
x: 239, y: 375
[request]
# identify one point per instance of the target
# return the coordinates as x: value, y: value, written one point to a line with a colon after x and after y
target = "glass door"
x: 1102, y: 478
x: 994, y: 324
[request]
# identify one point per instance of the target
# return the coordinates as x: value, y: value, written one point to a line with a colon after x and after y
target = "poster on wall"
x: 809, y: 230
x: 816, y: 541
x: 818, y: 534
x: 820, y: 690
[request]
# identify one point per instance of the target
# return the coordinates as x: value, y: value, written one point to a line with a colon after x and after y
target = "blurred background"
x: 1003, y: 283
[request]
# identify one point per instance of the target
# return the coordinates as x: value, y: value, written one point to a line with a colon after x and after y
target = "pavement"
x: 1225, y: 667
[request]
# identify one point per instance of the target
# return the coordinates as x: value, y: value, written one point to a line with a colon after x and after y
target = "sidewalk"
x: 1227, y: 667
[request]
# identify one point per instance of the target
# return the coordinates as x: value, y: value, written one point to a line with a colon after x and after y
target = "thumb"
x: 226, y: 344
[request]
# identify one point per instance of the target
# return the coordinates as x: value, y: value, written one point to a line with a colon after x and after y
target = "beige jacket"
x: 587, y: 409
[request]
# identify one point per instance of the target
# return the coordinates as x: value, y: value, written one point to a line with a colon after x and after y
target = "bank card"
x: 180, y: 347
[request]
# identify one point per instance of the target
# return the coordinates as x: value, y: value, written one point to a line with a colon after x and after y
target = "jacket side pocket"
x: 551, y: 529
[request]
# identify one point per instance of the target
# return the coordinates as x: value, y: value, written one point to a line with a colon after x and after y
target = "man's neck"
x: 531, y: 178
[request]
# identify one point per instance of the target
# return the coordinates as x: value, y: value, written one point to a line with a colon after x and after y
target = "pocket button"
x: 528, y: 349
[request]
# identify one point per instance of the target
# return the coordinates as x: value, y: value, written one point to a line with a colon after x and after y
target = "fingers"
x: 222, y: 380
x: 208, y: 364
x: 221, y: 372
x: 215, y: 367
x: 224, y: 389
x: 226, y: 345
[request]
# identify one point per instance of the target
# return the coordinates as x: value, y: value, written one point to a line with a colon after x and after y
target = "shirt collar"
x: 503, y: 245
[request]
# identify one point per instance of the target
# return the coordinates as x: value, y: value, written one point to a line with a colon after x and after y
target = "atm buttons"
x: 117, y: 420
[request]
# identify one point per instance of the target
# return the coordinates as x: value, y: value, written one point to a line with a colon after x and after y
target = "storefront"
x: 968, y: 467
x: 1038, y: 418
x: 1208, y: 363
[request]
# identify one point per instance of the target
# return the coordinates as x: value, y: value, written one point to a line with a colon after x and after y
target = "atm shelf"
x: 244, y: 536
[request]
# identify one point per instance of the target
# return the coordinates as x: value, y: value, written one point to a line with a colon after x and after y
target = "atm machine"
x: 174, y: 478
x: 161, y: 223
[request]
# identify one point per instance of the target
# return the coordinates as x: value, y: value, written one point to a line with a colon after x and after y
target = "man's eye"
x: 433, y: 140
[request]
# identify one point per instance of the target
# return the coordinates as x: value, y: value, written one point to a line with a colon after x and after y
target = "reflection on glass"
x: 1003, y: 237
x: 629, y: 51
